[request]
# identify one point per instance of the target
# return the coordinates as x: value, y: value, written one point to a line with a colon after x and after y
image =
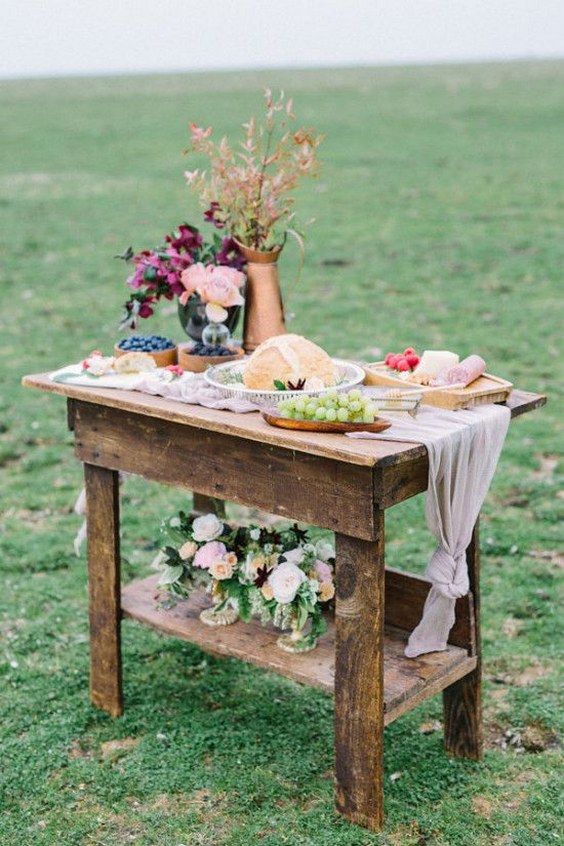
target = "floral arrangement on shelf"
x: 277, y: 576
x: 159, y: 272
x: 247, y: 189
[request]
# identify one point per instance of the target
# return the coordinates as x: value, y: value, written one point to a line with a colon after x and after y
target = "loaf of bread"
x: 289, y: 359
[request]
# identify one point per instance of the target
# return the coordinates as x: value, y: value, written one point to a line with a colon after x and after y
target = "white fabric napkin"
x: 463, y: 447
x: 190, y: 388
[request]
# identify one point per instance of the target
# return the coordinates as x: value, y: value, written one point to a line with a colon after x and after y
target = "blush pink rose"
x: 218, y: 294
x: 192, y: 278
x: 209, y: 553
x: 236, y: 277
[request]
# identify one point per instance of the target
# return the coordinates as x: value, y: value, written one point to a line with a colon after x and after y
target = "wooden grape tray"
x: 483, y: 390
x: 273, y: 416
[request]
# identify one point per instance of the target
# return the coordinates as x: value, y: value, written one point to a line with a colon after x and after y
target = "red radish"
x: 402, y: 365
x: 412, y: 359
x: 409, y: 351
x: 388, y: 357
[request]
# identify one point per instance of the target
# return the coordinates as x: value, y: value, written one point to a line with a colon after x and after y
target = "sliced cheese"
x: 433, y: 361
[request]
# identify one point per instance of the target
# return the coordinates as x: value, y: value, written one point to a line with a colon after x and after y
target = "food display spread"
x: 445, y: 381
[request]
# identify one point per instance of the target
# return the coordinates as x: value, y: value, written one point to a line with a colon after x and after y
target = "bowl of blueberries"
x: 198, y: 356
x: 163, y: 350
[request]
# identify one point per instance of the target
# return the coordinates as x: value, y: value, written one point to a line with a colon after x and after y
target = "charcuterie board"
x: 485, y: 389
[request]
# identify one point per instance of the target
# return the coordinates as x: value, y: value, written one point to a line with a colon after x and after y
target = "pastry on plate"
x: 290, y: 360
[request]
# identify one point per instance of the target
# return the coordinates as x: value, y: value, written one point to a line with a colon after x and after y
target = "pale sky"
x: 62, y: 37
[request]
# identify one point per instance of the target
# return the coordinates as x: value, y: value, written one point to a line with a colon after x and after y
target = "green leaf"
x: 171, y: 574
x: 280, y: 386
x: 302, y: 615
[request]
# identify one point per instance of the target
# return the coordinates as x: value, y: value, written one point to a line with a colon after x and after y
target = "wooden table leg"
x: 202, y: 504
x: 462, y: 701
x: 359, y: 678
x: 102, y: 513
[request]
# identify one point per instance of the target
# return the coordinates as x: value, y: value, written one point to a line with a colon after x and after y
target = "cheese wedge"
x: 433, y: 361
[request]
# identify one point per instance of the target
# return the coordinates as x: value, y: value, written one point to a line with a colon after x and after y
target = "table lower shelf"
x: 407, y: 681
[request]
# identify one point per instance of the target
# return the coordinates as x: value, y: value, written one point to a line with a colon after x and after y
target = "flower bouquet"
x: 277, y: 576
x: 159, y: 273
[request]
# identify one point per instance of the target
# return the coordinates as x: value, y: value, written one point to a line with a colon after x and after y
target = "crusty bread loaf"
x: 288, y: 358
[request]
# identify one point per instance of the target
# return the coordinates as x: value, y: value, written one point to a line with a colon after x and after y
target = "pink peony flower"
x: 323, y: 571
x: 209, y: 553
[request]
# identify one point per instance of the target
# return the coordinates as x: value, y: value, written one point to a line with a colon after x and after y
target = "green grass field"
x: 439, y: 224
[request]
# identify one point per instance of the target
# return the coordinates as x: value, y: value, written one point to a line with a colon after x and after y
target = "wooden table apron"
x: 333, y: 483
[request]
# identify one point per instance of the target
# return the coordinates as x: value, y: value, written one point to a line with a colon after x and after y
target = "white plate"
x: 228, y: 379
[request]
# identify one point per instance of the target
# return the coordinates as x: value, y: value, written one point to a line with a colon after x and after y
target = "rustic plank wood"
x: 102, y: 511
x: 462, y: 701
x: 520, y: 402
x: 250, y: 426
x: 315, y: 489
x: 207, y: 505
x: 359, y: 678
x: 406, y: 681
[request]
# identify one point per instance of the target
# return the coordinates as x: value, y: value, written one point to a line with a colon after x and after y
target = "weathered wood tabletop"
x: 326, y: 480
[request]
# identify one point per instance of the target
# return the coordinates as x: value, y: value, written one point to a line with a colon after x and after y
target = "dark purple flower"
x: 213, y: 215
x: 230, y: 255
x: 188, y: 239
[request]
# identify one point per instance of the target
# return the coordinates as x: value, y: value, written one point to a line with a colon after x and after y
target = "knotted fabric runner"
x: 463, y: 447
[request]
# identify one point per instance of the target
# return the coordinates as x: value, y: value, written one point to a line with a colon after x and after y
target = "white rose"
x: 254, y: 534
x: 324, y: 550
x: 296, y: 556
x: 206, y: 528
x: 285, y: 581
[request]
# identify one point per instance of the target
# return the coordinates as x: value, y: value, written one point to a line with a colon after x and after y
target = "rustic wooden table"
x: 326, y: 480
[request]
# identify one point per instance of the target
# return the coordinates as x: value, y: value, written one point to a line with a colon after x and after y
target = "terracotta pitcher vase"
x: 264, y: 310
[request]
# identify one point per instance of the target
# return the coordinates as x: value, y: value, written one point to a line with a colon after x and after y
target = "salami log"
x: 464, y: 373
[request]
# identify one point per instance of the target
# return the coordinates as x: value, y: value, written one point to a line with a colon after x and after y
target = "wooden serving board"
x: 272, y: 416
x: 485, y: 389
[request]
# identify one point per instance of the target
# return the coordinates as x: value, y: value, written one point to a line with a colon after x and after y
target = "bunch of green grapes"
x: 333, y: 407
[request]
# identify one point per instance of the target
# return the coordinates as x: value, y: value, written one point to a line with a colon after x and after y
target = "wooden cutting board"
x: 484, y: 390
x: 273, y: 416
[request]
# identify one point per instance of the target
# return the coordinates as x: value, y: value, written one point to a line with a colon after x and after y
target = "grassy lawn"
x: 439, y: 220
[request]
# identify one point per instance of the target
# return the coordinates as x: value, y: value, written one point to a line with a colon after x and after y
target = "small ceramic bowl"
x: 162, y: 357
x: 200, y: 363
